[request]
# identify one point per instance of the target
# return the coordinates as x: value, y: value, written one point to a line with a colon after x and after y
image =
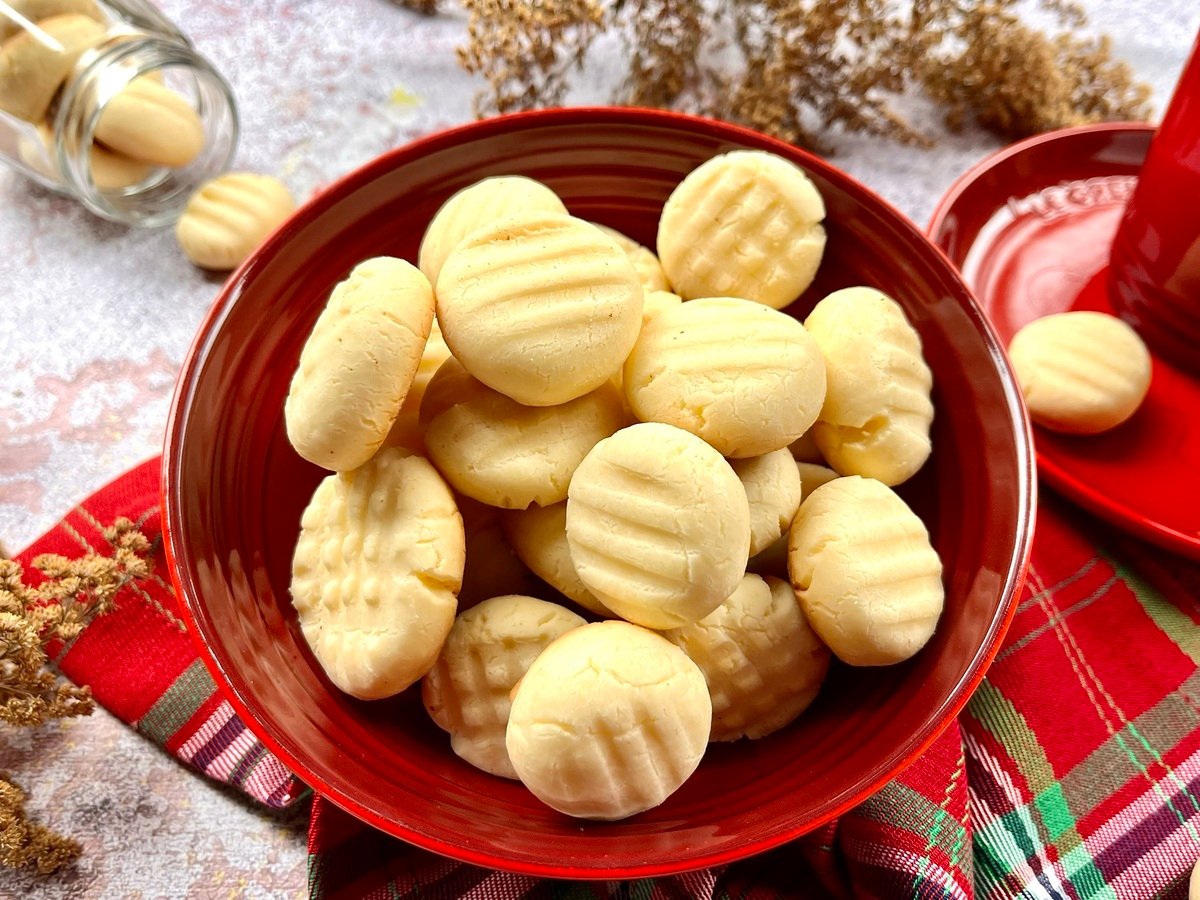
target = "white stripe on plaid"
x: 990, y: 830
x: 1148, y: 803
x: 266, y: 777
x: 206, y: 732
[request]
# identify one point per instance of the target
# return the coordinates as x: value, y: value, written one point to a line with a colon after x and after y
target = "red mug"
x: 1154, y: 269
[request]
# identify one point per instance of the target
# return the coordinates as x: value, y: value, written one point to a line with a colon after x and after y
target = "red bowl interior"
x: 234, y: 491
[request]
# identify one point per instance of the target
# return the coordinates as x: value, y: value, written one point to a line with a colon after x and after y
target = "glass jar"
x: 107, y: 102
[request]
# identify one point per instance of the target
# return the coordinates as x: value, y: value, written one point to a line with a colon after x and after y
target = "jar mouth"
x: 158, y: 196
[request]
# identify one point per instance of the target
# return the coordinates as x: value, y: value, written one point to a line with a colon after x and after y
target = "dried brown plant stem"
x: 65, y: 598
x: 809, y: 67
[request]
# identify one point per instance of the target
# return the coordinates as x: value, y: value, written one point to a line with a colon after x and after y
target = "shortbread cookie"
x: 376, y: 569
x: 641, y: 733
x: 772, y: 484
x: 227, y: 217
x: 32, y: 69
x: 539, y: 537
x: 744, y: 224
x: 763, y: 663
x: 492, y: 448
x: 406, y: 430
x: 746, y: 378
x: 486, y: 653
x: 483, y: 203
x: 358, y: 363
x: 877, y: 412
x: 37, y: 10
x: 867, y: 577
x: 649, y: 269
x: 1081, y: 372
x: 493, y: 567
x: 110, y: 171
x: 812, y: 476
x: 542, y: 308
x: 151, y: 122
x: 658, y: 525
x: 655, y: 302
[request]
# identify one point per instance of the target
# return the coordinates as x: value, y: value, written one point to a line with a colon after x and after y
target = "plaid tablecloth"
x: 1073, y: 772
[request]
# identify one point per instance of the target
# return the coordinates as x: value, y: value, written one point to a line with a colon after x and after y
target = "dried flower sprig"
x: 25, y: 843
x: 526, y: 49
x: 69, y: 594
x: 809, y: 66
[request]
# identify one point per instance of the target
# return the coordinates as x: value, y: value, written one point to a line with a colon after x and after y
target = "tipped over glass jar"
x: 108, y: 102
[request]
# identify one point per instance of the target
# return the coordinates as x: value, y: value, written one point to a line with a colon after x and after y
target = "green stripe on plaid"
x: 1171, y: 620
x: 1054, y: 823
x: 1112, y: 764
x: 901, y: 807
x: 178, y: 703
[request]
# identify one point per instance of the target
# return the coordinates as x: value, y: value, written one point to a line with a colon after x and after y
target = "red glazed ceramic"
x: 234, y: 491
x: 1154, y: 274
x: 1031, y: 228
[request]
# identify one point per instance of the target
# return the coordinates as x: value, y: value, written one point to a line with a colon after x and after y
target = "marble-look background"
x: 95, y: 320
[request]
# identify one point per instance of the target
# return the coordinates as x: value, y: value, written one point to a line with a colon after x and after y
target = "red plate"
x: 1030, y: 228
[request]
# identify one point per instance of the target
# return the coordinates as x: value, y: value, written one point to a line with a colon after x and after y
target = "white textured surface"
x: 96, y: 319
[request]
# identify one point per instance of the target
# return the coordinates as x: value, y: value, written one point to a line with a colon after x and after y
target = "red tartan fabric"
x: 139, y: 659
x: 1074, y: 773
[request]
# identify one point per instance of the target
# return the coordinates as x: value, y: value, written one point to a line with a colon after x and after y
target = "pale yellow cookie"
x: 763, y: 663
x: 744, y: 224
x: 34, y: 64
x: 772, y: 484
x: 773, y: 560
x: 877, y: 412
x: 867, y: 577
x: 641, y: 732
x: 227, y: 217
x: 358, y: 363
x: 539, y: 537
x: 1081, y: 372
x: 542, y: 308
x: 655, y: 302
x: 649, y: 269
x: 746, y: 378
x: 406, y: 430
x: 486, y: 653
x: 151, y: 122
x: 37, y: 10
x: 658, y: 525
x: 375, y: 572
x: 812, y: 476
x: 493, y: 567
x: 482, y: 203
x: 110, y: 171
x: 494, y: 449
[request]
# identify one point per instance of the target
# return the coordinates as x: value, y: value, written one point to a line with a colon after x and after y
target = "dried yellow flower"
x: 809, y: 66
x: 68, y: 595
x: 25, y: 843
x: 526, y: 48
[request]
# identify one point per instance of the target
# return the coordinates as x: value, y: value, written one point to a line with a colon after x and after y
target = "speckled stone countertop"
x: 96, y: 320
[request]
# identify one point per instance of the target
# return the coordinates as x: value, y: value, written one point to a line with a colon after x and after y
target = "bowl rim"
x: 187, y: 588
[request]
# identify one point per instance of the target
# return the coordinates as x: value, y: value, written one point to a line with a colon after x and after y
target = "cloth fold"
x: 140, y: 661
x: 1073, y: 773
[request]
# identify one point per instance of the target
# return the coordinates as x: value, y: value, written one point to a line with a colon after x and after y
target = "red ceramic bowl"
x: 234, y: 491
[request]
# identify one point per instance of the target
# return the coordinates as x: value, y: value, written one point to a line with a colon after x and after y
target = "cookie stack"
x: 548, y: 402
